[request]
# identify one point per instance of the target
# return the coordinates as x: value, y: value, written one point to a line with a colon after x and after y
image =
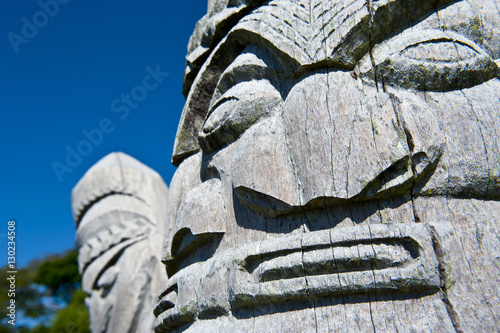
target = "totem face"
x: 334, y: 132
x: 116, y: 207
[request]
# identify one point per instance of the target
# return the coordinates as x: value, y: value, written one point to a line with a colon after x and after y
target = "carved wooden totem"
x: 339, y: 169
x: 119, y: 209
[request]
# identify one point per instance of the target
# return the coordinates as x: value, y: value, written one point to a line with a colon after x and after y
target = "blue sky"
x: 62, y: 81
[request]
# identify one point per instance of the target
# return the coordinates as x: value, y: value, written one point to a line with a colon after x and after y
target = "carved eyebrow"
x: 205, y: 38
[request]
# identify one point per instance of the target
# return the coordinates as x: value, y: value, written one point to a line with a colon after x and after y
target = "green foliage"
x: 74, y: 318
x: 40, y: 329
x: 60, y: 275
x: 6, y: 328
x: 27, y: 294
x: 40, y: 288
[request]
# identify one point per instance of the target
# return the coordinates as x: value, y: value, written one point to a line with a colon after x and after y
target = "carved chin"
x: 386, y: 258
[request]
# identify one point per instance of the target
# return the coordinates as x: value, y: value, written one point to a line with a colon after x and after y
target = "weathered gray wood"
x: 119, y: 208
x: 468, y: 247
x: 348, y: 117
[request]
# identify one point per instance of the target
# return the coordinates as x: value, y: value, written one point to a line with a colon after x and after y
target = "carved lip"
x: 382, y: 258
x: 319, y: 260
x: 394, y: 258
x: 166, y: 316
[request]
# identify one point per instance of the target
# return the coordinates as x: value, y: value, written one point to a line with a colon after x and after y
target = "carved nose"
x: 398, y: 178
x: 331, y: 144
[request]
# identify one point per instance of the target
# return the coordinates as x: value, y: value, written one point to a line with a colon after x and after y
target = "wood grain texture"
x: 384, y: 114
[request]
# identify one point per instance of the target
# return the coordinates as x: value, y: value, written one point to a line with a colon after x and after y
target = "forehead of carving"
x: 333, y: 33
x: 306, y: 34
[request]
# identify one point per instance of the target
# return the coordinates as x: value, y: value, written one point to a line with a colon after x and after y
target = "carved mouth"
x: 382, y: 258
x: 321, y: 260
x: 166, y: 316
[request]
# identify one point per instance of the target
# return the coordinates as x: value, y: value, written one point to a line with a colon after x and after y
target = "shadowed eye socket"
x: 244, y: 94
x: 429, y: 60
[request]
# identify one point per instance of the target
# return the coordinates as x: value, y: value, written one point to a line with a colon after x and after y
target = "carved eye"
x: 107, y: 280
x: 243, y: 95
x: 430, y: 60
